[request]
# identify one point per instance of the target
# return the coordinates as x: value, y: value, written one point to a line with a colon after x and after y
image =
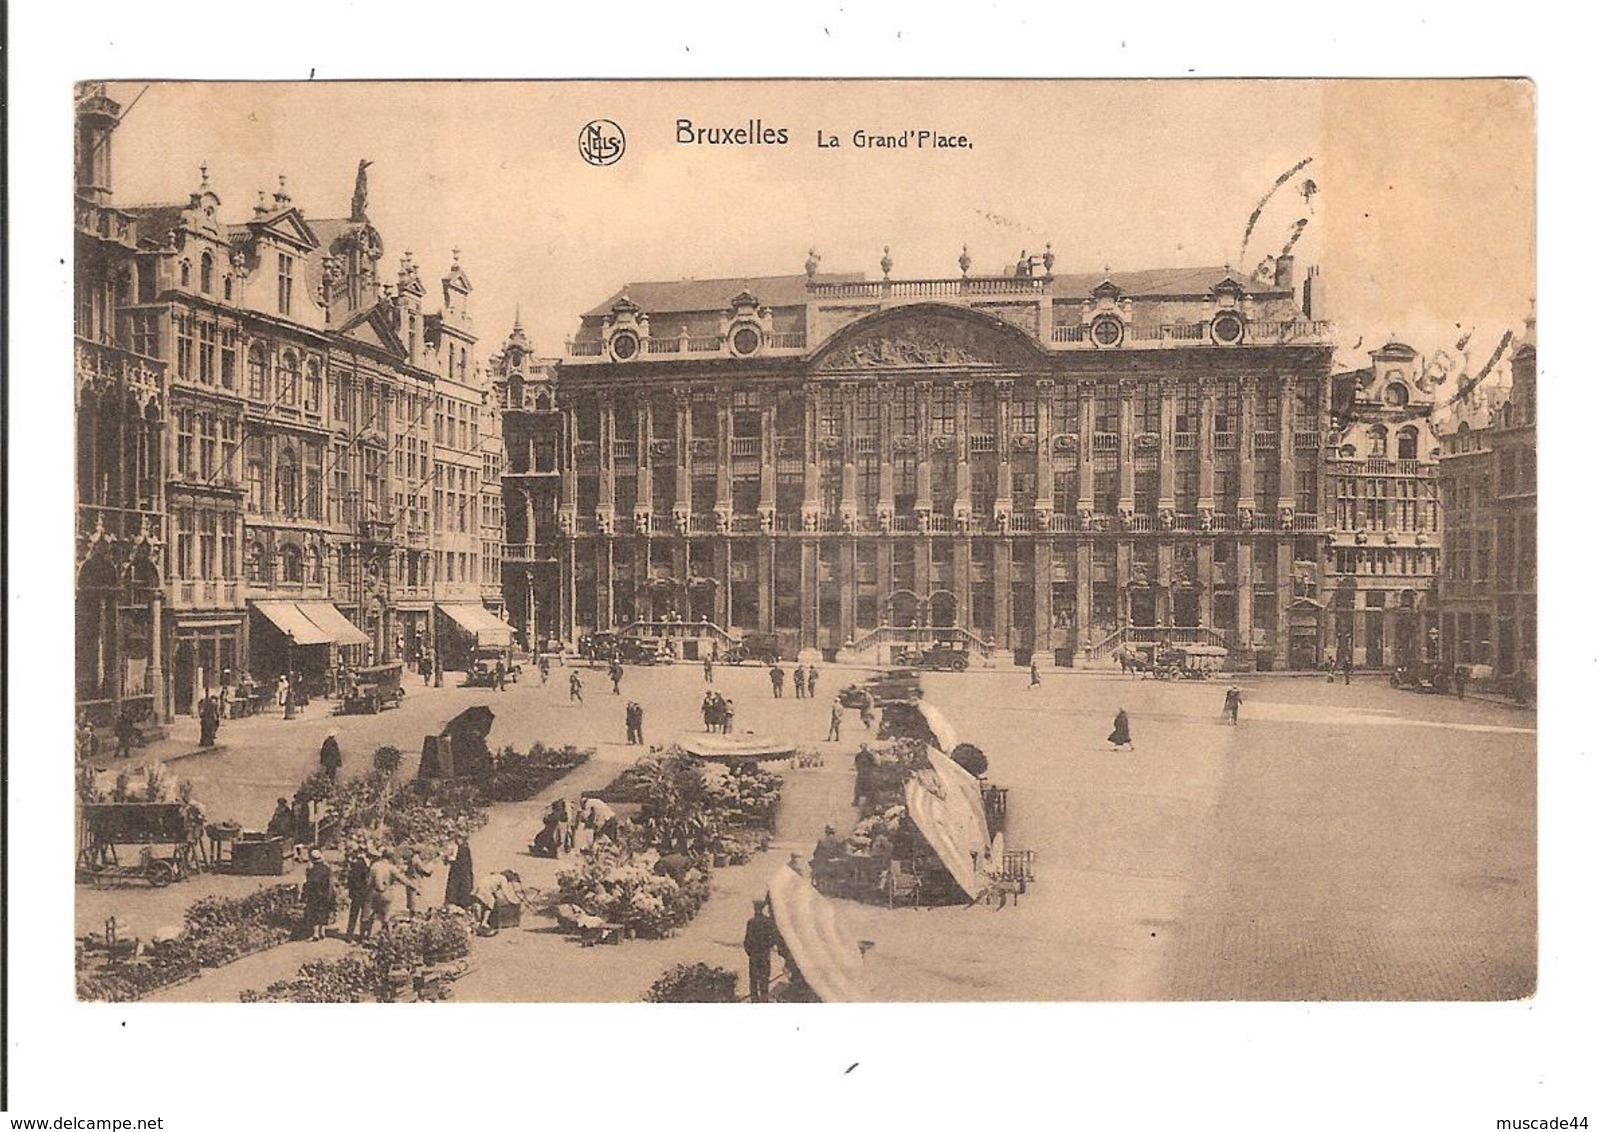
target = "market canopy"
x: 325, y: 617
x: 294, y: 624
x: 831, y: 963
x: 480, y: 622
x: 938, y: 723
x: 735, y: 748
x: 946, y: 805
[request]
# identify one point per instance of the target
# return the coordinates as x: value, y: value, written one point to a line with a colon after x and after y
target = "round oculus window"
x: 624, y: 346
x: 746, y: 340
x: 1228, y: 329
x: 1107, y: 331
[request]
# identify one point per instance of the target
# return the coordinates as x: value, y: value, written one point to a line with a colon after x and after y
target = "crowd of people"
x: 804, y: 681
x: 717, y: 711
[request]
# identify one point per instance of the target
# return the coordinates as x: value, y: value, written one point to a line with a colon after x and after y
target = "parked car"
x: 481, y: 672
x: 1426, y: 676
x: 762, y: 648
x: 941, y: 657
x: 643, y: 650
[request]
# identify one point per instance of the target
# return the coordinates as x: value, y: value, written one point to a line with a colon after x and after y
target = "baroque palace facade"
x: 1051, y: 464
x: 282, y: 461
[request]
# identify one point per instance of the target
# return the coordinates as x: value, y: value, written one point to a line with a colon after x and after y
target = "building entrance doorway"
x: 1185, y: 608
x: 1141, y: 606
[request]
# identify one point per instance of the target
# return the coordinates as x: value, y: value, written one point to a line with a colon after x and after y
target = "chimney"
x: 1311, y: 302
x: 1283, y: 280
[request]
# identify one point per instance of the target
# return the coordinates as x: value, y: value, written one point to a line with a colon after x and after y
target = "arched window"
x: 1377, y: 442
x: 183, y: 273
x: 256, y: 368
x: 291, y: 568
x: 255, y: 564
x: 205, y: 272
x: 227, y: 287
x: 1408, y: 439
x: 1396, y: 395
x: 289, y: 379
x: 286, y: 487
x: 313, y: 385
x: 313, y: 564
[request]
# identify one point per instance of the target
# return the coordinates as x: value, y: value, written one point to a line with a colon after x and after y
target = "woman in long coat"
x: 458, y: 885
x: 1121, y: 731
x: 318, y: 896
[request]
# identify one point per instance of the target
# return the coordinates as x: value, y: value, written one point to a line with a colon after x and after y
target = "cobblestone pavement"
x: 1343, y: 842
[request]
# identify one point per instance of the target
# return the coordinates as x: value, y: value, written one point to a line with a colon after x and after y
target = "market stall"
x: 831, y: 963
x: 946, y: 806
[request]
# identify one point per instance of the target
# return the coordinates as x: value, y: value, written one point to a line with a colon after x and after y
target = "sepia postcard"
x: 787, y: 541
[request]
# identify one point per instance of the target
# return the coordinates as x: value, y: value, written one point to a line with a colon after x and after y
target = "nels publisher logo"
x: 601, y: 142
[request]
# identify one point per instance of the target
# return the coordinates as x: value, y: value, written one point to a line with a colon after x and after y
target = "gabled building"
x: 1384, y: 529
x: 1488, y: 589
x: 302, y: 516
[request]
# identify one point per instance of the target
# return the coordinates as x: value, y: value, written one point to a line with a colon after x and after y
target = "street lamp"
x: 288, y: 697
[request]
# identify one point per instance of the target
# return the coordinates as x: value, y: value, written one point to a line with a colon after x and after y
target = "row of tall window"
x: 899, y: 408
x: 205, y: 544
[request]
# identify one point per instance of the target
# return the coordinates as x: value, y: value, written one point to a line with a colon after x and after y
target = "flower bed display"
x: 409, y: 957
x: 217, y: 930
x: 694, y: 982
x: 516, y: 776
x: 623, y: 888
x: 690, y: 804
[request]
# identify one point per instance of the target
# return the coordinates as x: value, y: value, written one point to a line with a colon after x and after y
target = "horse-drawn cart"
x: 168, y: 835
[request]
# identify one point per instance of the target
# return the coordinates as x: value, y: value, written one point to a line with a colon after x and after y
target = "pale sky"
x: 1423, y: 217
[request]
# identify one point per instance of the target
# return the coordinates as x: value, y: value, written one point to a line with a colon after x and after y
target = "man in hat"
x: 760, y: 936
x: 829, y: 848
x: 384, y: 875
x: 834, y: 721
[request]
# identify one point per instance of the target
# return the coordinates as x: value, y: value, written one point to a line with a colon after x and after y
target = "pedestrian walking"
x: 1034, y: 680
x: 317, y: 894
x: 438, y: 670
x: 1349, y: 667
x: 544, y: 670
x: 727, y: 717
x: 499, y: 675
x: 1121, y: 732
x: 358, y: 886
x: 330, y: 757
x: 1230, y: 704
x: 760, y: 936
x: 638, y: 723
x: 616, y: 678
x: 811, y: 676
x: 126, y: 733
x: 837, y: 717
x: 708, y: 711
x: 799, y: 682
x: 710, y: 671
x: 574, y: 688
x: 1462, y: 675
x: 208, y: 721
x: 776, y: 676
x: 863, y: 770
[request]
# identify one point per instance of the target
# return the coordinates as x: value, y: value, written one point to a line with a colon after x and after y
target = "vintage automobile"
x: 942, y: 656
x: 644, y: 650
x: 762, y: 648
x: 481, y: 672
x: 1423, y: 676
x: 1189, y: 662
x: 372, y: 689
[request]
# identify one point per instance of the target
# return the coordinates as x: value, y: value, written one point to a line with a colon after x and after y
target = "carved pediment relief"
x: 926, y: 337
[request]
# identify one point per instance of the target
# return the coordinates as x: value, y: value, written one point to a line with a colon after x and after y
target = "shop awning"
x: 946, y: 804
x: 830, y: 961
x: 480, y: 622
x: 324, y: 616
x: 293, y: 624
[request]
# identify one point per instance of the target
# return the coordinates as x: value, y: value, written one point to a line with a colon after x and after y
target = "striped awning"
x: 292, y: 623
x: 324, y: 616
